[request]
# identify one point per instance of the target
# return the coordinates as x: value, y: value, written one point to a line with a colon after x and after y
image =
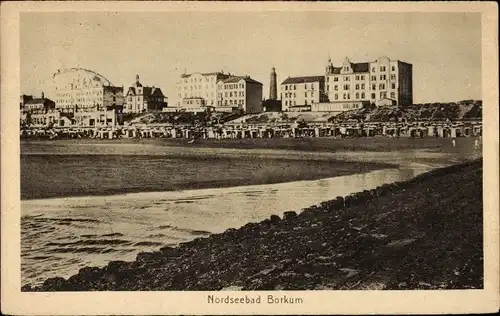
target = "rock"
x: 170, y: 251
x: 274, y: 218
x: 118, y: 265
x: 289, y: 215
x: 55, y: 284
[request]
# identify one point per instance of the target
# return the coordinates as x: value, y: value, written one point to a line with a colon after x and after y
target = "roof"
x: 303, y: 79
x: 113, y: 89
x: 205, y: 74
x: 147, y: 91
x: 235, y: 79
x: 39, y: 100
x: 360, y: 67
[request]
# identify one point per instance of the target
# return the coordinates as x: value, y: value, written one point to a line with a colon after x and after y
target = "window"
x: 286, y: 103
x: 382, y: 77
x: 373, y: 69
x: 373, y: 95
x: 305, y: 86
x: 393, y: 86
x: 336, y: 79
x: 374, y: 78
x: 327, y: 79
x: 346, y: 78
x: 362, y: 77
x: 336, y: 88
x: 357, y: 95
x: 393, y: 95
x: 362, y: 95
x: 312, y: 94
x: 381, y: 86
x: 305, y: 94
x: 305, y: 102
x: 382, y: 68
x: 362, y: 86
x: 393, y: 68
x: 294, y: 87
x: 382, y: 95
x: 357, y: 87
x: 393, y: 77
x: 336, y: 96
x: 348, y: 96
x: 374, y: 87
x: 286, y: 87
x: 327, y: 88
x: 294, y: 95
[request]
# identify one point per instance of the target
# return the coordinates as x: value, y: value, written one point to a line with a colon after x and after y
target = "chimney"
x: 42, y: 95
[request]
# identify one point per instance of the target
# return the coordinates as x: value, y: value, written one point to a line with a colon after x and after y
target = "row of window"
x: 231, y: 102
x: 235, y: 94
x: 294, y: 87
x: 347, y: 96
x: 383, y: 68
x: 207, y: 79
x: 233, y: 86
x: 361, y: 87
x: 195, y: 95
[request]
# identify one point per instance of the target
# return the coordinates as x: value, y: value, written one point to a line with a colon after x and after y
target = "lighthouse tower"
x: 273, y: 92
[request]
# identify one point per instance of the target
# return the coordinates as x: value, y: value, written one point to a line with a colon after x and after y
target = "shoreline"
x: 338, y: 245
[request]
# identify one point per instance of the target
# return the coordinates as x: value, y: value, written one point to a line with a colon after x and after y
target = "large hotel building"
x: 83, y: 90
x: 352, y: 85
x: 220, y: 92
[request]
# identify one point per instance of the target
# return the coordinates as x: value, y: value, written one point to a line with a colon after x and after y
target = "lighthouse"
x: 273, y: 92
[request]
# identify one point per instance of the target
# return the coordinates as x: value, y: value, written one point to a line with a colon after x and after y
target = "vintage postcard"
x: 199, y: 158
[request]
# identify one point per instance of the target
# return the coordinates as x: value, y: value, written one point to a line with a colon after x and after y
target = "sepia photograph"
x: 251, y: 155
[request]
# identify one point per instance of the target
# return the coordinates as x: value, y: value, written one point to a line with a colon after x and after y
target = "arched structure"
x: 84, y: 90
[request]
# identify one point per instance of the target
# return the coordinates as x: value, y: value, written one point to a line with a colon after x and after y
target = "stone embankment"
x: 425, y: 233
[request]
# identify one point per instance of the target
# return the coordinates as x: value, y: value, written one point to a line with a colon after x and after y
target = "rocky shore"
x: 425, y: 233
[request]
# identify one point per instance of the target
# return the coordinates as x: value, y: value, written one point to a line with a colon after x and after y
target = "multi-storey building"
x: 38, y: 105
x: 24, y: 99
x: 301, y: 92
x: 239, y: 93
x: 382, y: 82
x: 141, y: 99
x: 198, y: 88
x: 82, y: 90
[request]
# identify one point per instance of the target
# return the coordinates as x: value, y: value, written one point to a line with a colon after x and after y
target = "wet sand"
x: 425, y: 233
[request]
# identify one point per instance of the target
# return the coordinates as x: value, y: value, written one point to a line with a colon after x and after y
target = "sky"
x: 444, y: 48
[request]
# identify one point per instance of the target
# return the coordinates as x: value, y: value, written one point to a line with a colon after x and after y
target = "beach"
x: 424, y: 233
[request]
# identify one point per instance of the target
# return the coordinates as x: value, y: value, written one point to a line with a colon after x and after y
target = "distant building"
x: 83, y: 90
x: 381, y: 82
x: 24, y: 99
x: 242, y: 93
x: 199, y: 86
x: 141, y: 99
x: 302, y: 91
x: 273, y: 92
x: 40, y: 105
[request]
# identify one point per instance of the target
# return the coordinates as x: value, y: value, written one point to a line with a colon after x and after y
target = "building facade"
x: 141, y: 99
x: 40, y: 105
x: 199, y: 85
x: 381, y: 82
x: 241, y: 93
x: 301, y: 92
x: 83, y: 90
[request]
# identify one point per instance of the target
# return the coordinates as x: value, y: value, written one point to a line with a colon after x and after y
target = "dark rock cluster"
x: 425, y: 233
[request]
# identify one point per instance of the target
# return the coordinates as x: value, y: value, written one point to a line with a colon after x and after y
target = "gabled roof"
x: 235, y: 79
x: 146, y: 91
x: 39, y: 101
x: 303, y: 79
